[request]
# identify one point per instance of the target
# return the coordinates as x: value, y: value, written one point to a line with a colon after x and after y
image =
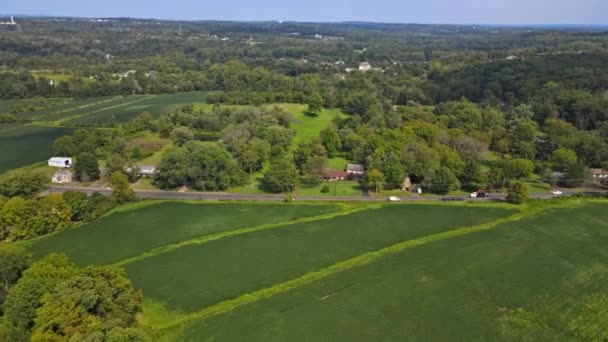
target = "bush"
x: 325, y: 189
x: 517, y: 193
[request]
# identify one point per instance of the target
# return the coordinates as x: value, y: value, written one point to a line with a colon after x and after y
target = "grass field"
x: 539, y: 279
x: 21, y: 146
x: 439, y: 272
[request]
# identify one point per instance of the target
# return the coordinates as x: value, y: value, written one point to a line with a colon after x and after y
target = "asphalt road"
x: 160, y: 194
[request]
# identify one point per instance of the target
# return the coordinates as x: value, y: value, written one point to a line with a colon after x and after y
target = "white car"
x: 556, y: 192
x: 473, y: 195
x: 394, y: 199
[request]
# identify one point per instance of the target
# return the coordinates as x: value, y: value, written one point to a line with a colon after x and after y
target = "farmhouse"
x: 355, y: 169
x: 60, y: 162
x: 62, y: 177
x: 332, y: 175
x: 365, y: 66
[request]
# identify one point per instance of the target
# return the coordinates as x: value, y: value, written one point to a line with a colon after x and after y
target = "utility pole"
x: 336, y: 185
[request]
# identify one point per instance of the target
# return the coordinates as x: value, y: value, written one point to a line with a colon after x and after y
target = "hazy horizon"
x: 464, y: 12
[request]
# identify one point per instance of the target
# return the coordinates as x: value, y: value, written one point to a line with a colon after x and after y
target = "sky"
x: 589, y: 12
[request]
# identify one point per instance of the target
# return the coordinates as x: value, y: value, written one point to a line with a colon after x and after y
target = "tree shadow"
x: 311, y: 114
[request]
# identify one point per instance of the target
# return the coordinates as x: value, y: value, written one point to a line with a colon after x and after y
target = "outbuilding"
x: 62, y: 162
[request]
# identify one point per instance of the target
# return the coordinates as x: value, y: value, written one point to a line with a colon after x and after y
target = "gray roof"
x: 355, y: 167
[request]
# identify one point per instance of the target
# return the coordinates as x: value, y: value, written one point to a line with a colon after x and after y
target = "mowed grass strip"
x: 541, y: 278
x: 194, y: 277
x: 41, y: 114
x: 27, y: 145
x: 128, y: 233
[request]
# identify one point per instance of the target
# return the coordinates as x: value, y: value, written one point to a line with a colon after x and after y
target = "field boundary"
x: 125, y: 104
x: 358, y: 261
x: 246, y: 230
x: 84, y: 106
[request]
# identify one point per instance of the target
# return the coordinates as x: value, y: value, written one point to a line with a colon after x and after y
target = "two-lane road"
x: 176, y: 195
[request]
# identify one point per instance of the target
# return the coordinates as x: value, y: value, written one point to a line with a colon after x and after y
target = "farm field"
x: 542, y: 278
x: 106, y: 110
x: 25, y: 145
x: 156, y: 224
x: 277, y: 255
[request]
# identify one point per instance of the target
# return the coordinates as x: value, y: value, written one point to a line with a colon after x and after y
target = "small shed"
x: 62, y: 177
x: 62, y: 162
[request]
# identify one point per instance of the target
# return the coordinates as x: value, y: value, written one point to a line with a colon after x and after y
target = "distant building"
x: 598, y: 174
x: 332, y: 175
x: 62, y: 162
x: 355, y: 169
x: 144, y: 170
x: 318, y: 36
x: 365, y: 66
x: 62, y: 177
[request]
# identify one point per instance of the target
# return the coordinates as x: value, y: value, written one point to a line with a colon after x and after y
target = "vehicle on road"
x: 556, y: 192
x: 394, y: 199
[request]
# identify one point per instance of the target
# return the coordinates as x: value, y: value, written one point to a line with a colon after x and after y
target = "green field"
x: 112, y: 109
x: 277, y: 255
x: 544, y: 278
x: 22, y: 146
x: 132, y: 232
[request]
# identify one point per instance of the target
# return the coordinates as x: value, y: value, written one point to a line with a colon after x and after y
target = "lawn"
x: 27, y: 145
x: 136, y: 230
x: 539, y: 279
x: 193, y: 277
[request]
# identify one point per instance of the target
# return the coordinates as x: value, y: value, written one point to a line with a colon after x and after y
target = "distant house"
x: 62, y: 177
x: 144, y: 170
x: 355, y: 169
x: 365, y: 66
x: 598, y: 174
x: 62, y: 162
x: 332, y: 175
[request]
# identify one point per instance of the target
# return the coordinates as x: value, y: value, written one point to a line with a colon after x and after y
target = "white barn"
x: 60, y: 162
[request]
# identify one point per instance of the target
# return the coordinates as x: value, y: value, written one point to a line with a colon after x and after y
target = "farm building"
x: 62, y: 177
x: 331, y: 175
x: 598, y: 174
x: 60, y: 162
x: 144, y: 170
x: 355, y: 169
x: 365, y: 66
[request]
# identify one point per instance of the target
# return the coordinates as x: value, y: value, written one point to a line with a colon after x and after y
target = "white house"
x: 365, y: 66
x: 60, y: 162
x: 355, y: 169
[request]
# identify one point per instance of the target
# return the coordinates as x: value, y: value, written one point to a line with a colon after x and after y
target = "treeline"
x: 24, y: 216
x: 54, y: 300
